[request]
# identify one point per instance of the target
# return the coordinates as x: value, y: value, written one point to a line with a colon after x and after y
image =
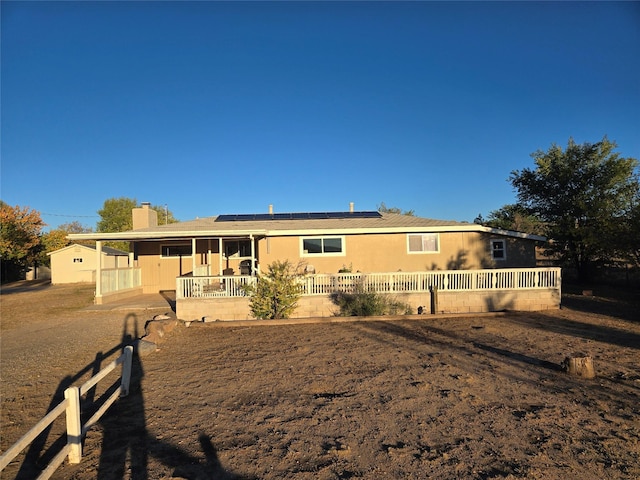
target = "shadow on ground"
x: 126, y: 444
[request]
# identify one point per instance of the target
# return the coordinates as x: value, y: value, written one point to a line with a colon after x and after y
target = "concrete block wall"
x: 321, y: 305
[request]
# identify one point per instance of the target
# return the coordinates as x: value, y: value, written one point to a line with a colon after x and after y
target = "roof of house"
x: 332, y: 223
x: 105, y: 250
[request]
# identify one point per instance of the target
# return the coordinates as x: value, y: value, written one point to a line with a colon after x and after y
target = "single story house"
x: 234, y: 246
x: 78, y: 263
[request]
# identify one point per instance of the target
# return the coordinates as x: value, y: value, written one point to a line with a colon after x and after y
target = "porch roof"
x: 342, y: 225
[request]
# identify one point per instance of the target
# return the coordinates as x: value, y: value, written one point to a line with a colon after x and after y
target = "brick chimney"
x: 144, y: 216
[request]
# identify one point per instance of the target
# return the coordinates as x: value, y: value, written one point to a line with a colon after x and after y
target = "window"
x: 498, y: 250
x: 423, y: 243
x: 181, y: 250
x: 322, y: 246
x: 237, y: 248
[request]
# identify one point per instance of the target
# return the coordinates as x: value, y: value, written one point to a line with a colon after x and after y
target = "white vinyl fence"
x: 71, y: 407
x: 396, y: 282
x: 446, y: 280
x: 212, y: 286
x: 116, y: 279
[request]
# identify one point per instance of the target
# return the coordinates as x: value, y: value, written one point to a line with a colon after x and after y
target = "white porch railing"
x: 396, y: 282
x: 115, y: 279
x: 446, y: 280
x: 212, y: 286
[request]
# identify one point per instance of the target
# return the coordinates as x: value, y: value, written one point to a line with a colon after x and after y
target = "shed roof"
x: 105, y: 250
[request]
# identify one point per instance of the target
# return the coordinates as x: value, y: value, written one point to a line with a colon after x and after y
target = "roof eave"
x: 167, y: 235
x: 136, y: 235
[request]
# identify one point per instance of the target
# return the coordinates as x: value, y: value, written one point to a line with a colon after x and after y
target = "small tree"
x: 276, y: 293
x: 19, y: 239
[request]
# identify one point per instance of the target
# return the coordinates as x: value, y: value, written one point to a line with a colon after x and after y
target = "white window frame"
x: 343, y: 246
x: 504, y: 249
x: 181, y: 244
x: 423, y: 235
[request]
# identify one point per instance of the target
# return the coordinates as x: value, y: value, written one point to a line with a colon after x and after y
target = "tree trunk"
x: 580, y: 366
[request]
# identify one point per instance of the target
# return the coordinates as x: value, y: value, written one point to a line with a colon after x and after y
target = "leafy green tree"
x: 513, y: 217
x: 582, y: 194
x: 276, y: 293
x: 382, y: 208
x: 116, y: 216
x: 19, y: 239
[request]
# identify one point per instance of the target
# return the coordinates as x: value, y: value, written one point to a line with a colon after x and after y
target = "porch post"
x: 253, y: 256
x: 98, y: 272
x: 219, y: 255
x: 193, y: 256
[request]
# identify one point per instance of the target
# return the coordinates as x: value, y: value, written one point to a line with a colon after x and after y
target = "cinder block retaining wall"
x: 237, y: 308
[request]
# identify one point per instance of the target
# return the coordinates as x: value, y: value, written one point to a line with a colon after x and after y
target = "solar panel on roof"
x: 296, y: 216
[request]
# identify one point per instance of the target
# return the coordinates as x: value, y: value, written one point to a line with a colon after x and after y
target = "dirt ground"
x: 423, y: 397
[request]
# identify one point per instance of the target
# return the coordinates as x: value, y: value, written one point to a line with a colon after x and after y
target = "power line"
x: 70, y: 216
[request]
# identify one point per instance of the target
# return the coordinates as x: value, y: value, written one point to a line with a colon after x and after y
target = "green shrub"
x: 362, y: 303
x: 276, y: 293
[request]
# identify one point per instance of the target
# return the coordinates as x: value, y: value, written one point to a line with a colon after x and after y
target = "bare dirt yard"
x: 477, y: 397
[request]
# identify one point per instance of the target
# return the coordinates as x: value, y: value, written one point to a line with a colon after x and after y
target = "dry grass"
x: 471, y: 398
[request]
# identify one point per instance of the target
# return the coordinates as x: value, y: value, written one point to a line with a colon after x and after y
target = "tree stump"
x: 580, y: 366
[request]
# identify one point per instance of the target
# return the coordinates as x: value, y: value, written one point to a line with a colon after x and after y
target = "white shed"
x: 77, y: 263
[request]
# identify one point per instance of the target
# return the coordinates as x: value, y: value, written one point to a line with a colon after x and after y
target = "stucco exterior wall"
x: 160, y: 273
x: 362, y: 253
x: 389, y: 253
x: 225, y: 309
x: 77, y: 264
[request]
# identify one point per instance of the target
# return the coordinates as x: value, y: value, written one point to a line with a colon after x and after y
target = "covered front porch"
x: 154, y: 265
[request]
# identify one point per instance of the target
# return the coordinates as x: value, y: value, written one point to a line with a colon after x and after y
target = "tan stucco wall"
x: 65, y: 270
x: 160, y: 273
x: 363, y: 253
x: 388, y: 253
x: 321, y: 306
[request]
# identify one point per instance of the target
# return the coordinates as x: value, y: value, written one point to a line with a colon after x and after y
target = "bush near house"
x: 275, y: 295
x: 363, y: 303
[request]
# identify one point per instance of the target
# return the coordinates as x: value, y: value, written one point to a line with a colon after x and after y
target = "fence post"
x: 434, y: 299
x: 74, y: 424
x: 126, y: 370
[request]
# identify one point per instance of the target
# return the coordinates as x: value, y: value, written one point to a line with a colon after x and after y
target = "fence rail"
x: 115, y: 279
x: 212, y: 286
x: 72, y: 407
x: 396, y: 282
x: 448, y: 280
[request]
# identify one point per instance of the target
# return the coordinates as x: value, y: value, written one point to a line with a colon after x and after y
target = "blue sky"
x: 214, y: 107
